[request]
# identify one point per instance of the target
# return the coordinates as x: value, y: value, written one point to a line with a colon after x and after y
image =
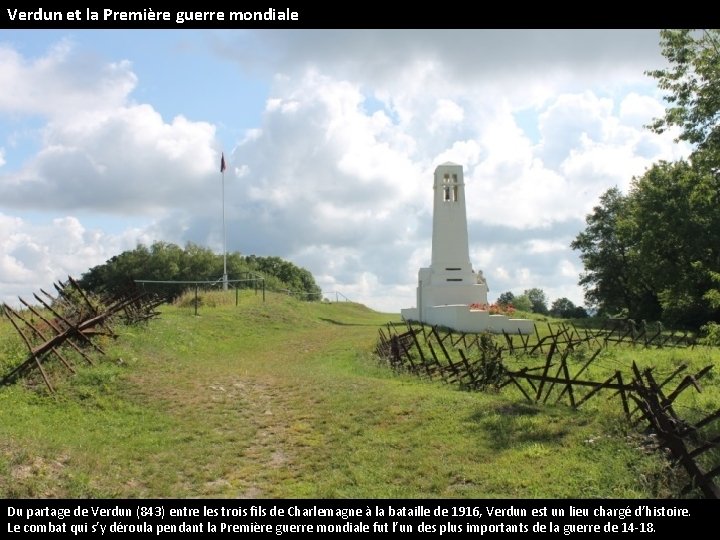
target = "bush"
x: 711, y: 334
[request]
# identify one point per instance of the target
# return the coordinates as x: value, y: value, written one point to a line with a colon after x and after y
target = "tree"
x: 607, y: 251
x: 562, y: 307
x: 166, y: 261
x: 692, y: 81
x: 677, y: 208
x: 506, y: 299
x: 295, y: 279
x: 522, y: 303
x: 655, y: 253
x: 538, y: 300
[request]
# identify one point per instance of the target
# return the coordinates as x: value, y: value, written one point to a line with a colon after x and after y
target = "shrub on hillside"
x: 711, y: 334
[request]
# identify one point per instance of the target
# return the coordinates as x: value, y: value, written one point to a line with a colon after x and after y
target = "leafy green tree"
x: 522, y: 303
x: 293, y: 279
x: 607, y: 250
x: 692, y: 82
x: 506, y: 299
x: 565, y: 308
x: 692, y: 85
x: 164, y: 261
x: 562, y: 307
x: 538, y: 299
x: 677, y: 208
x: 655, y: 253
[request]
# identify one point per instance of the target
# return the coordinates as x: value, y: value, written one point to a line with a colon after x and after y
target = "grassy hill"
x: 285, y: 399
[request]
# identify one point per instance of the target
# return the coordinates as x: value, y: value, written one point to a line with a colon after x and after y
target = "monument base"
x: 461, y: 318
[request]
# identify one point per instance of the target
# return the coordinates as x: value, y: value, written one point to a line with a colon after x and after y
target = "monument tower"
x: 449, y: 219
x: 449, y: 287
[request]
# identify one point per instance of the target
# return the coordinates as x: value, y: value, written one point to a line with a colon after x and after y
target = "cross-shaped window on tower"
x: 450, y: 189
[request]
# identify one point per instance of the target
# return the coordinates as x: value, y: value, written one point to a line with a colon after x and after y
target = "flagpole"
x: 225, y: 276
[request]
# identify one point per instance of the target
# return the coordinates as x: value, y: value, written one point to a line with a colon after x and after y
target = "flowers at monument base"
x: 494, y: 309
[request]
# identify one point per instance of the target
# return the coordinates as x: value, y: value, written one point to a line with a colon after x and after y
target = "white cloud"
x: 502, y: 273
x: 568, y: 269
x: 545, y: 246
x: 124, y: 161
x: 335, y: 169
x: 567, y: 121
x: 61, y: 83
x: 447, y: 113
x: 637, y: 110
x: 33, y: 256
x: 100, y: 151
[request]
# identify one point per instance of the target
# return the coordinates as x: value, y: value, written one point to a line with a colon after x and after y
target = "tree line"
x: 536, y: 301
x: 654, y: 252
x: 163, y: 261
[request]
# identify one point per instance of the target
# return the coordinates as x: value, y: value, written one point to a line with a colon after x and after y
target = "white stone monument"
x: 447, y: 290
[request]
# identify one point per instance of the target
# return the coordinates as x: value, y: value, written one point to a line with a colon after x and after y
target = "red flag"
x: 222, y: 163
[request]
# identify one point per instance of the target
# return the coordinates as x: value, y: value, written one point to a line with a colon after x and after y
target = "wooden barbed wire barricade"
x: 478, y: 362
x: 686, y: 441
x: 72, y: 319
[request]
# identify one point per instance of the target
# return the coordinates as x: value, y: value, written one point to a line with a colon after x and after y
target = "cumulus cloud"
x: 61, y: 83
x: 128, y: 161
x: 99, y: 150
x: 326, y: 169
x: 567, y: 121
x: 35, y: 255
x: 637, y: 110
x: 447, y: 113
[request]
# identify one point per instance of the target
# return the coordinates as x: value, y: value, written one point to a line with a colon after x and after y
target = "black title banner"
x: 283, y: 517
x: 87, y: 17
x: 360, y: 16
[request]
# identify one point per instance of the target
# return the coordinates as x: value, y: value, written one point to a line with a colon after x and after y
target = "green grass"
x: 285, y: 399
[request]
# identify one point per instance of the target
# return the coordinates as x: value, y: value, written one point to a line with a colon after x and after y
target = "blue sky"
x: 176, y: 70
x: 112, y: 138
